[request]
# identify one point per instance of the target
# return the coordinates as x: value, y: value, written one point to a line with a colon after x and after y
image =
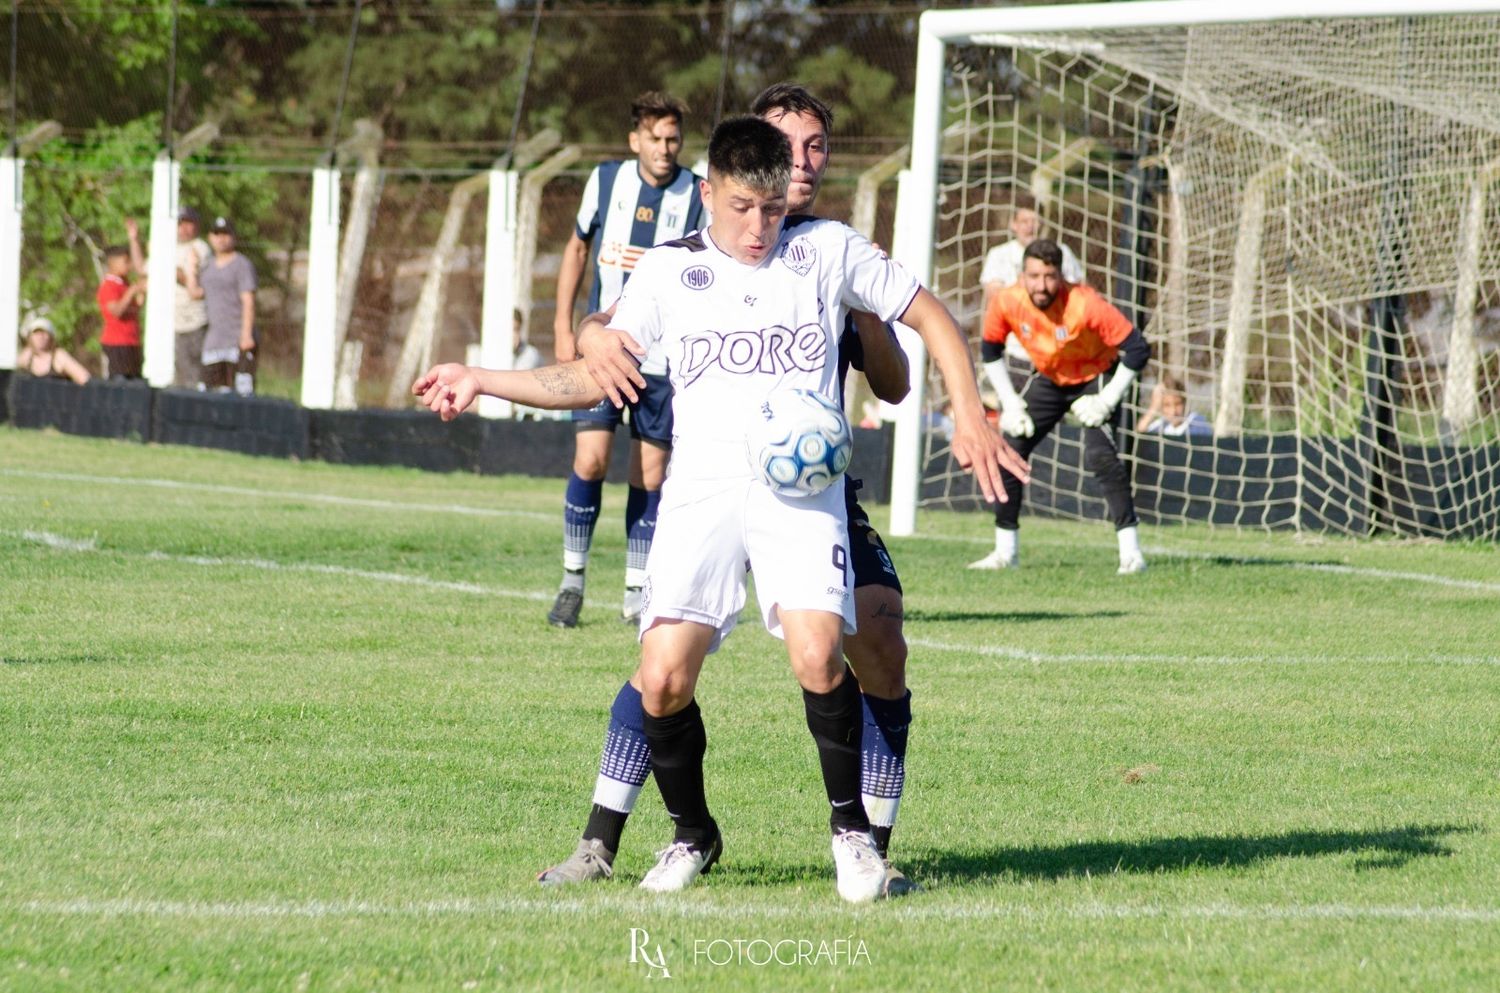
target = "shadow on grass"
x: 1388, y: 848
x: 1013, y: 617
x: 1385, y: 849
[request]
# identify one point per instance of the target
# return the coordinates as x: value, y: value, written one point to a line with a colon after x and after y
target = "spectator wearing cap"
x: 41, y: 357
x: 191, y: 312
x: 120, y: 305
x: 228, y: 282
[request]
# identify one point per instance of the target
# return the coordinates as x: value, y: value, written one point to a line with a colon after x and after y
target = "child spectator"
x: 1168, y: 414
x: 120, y: 305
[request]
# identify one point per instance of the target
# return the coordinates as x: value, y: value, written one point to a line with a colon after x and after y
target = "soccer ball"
x: 799, y: 442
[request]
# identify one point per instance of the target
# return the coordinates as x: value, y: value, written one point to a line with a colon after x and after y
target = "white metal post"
x: 159, y: 363
x: 319, y: 360
x: 496, y: 322
x: 916, y: 214
x: 11, y: 202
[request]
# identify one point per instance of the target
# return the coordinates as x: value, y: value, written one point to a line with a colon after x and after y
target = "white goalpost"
x: 1293, y: 202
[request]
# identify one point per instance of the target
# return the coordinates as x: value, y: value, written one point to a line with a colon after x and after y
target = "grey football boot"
x: 589, y: 861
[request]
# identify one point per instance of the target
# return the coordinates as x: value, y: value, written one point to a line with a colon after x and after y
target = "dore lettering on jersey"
x: 775, y: 349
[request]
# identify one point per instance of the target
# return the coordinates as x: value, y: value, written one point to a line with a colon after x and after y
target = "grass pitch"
x: 280, y: 726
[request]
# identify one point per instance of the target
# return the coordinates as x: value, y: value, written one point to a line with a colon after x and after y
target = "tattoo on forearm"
x: 560, y: 380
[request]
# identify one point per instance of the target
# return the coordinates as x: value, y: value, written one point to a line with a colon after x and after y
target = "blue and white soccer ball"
x: 799, y: 442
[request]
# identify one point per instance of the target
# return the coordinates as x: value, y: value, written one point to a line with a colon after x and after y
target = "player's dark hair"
x: 116, y: 251
x: 1045, y: 251
x: 751, y: 151
x: 792, y: 98
x: 654, y: 105
x: 1172, y: 384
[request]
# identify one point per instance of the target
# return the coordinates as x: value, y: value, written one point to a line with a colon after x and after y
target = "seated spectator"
x: 1168, y: 414
x: 41, y: 357
x: 120, y: 305
x: 526, y: 354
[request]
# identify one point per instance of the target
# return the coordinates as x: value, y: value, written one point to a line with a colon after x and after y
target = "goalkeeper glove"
x: 1014, y: 420
x: 1093, y: 409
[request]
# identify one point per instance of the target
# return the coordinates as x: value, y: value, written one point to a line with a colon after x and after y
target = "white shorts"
x: 710, y: 534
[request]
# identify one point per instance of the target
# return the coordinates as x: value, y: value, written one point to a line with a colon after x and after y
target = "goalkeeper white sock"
x: 1007, y: 543
x: 1130, y: 542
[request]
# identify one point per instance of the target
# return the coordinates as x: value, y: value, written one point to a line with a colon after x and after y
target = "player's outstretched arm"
x: 977, y: 446
x: 887, y: 369
x: 612, y: 356
x: 449, y: 389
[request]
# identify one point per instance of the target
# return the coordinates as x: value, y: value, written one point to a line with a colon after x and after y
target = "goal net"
x: 1303, y: 216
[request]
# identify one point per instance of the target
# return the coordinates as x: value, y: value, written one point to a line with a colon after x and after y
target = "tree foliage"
x: 442, y: 79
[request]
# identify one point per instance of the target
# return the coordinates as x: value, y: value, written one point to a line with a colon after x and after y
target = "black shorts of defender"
x: 650, y: 416
x: 1048, y: 403
x: 867, y: 553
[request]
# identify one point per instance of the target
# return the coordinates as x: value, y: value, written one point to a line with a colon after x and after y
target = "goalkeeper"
x: 1075, y: 338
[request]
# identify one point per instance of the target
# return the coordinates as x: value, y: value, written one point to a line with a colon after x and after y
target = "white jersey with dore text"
x: 733, y: 333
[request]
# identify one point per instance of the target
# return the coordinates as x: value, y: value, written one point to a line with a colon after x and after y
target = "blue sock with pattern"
x: 883, y: 762
x: 640, y: 528
x: 581, y: 503
x: 623, y: 769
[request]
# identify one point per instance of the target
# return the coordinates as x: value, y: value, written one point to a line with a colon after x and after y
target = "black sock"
x: 678, y: 742
x: 836, y: 721
x: 606, y: 825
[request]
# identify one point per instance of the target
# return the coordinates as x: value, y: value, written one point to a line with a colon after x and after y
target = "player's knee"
x: 664, y: 691
x: 589, y: 466
x: 817, y: 663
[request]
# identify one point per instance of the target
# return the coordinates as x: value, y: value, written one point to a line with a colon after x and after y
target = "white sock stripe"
x: 881, y: 810
x: 616, y: 795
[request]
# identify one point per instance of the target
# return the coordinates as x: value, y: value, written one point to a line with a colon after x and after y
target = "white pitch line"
x: 1363, y: 572
x: 343, y: 501
x: 1343, y: 570
x: 1017, y: 654
x: 919, y: 909
x: 1367, y: 573
x: 1012, y: 653
x: 87, y: 545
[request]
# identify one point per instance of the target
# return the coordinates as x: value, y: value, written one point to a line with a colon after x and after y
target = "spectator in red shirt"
x: 120, y: 304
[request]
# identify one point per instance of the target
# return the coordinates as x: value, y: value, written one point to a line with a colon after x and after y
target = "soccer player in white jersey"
x: 877, y: 652
x: 627, y: 207
x: 775, y: 298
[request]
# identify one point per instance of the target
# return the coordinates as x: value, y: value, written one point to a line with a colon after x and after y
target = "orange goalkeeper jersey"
x: 1070, y: 342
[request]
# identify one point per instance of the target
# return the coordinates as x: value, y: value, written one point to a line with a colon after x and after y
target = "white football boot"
x: 996, y: 560
x: 679, y: 864
x: 861, y: 870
